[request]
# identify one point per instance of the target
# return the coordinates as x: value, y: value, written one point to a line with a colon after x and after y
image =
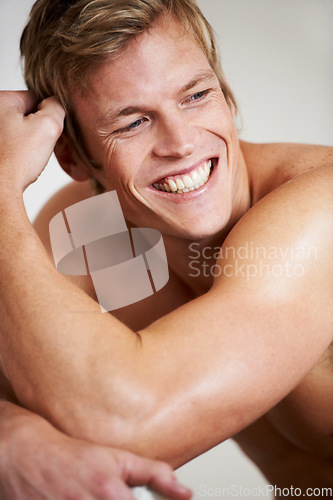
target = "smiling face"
x: 158, y: 123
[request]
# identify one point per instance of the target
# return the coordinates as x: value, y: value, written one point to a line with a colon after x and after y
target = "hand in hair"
x: 28, y: 133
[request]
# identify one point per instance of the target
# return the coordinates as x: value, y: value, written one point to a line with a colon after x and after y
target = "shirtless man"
x: 246, y: 354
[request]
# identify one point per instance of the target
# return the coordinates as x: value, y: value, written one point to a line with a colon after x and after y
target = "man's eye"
x: 133, y: 125
x: 198, y: 95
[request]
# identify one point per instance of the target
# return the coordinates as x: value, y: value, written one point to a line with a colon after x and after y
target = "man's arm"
x: 38, y: 461
x: 225, y: 358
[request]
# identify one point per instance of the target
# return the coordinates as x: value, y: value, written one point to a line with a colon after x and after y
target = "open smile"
x: 184, y: 183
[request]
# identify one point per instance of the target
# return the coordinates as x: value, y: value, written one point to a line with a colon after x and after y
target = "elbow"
x: 120, y: 418
x: 129, y: 414
x: 144, y: 427
x: 112, y: 410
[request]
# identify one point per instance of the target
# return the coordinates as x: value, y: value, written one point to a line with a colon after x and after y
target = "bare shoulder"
x: 302, y: 201
x: 271, y: 165
x: 288, y: 230
x: 68, y: 195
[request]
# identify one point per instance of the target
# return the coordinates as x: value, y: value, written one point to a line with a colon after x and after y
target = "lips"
x: 188, y: 182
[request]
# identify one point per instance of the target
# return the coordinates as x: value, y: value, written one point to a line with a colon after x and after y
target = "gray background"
x: 277, y: 56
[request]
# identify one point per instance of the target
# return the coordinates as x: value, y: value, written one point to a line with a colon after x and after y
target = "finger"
x: 117, y: 490
x: 168, y: 485
x: 49, y: 118
x: 158, y: 475
x: 51, y: 106
x: 21, y: 101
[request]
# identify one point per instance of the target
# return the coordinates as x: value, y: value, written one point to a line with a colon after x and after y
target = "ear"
x: 68, y: 160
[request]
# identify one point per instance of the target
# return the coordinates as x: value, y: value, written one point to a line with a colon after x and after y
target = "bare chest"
x: 305, y: 416
x: 293, y: 442
x: 141, y: 314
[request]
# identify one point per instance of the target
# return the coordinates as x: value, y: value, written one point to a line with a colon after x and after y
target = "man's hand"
x: 28, y: 134
x: 38, y: 462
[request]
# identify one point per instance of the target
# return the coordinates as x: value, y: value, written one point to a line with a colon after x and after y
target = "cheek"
x: 120, y: 163
x: 110, y: 152
x: 106, y: 154
x: 217, y: 117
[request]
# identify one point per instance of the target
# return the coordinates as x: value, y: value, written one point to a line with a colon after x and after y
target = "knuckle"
x: 112, y: 489
x: 163, y: 468
x: 52, y: 126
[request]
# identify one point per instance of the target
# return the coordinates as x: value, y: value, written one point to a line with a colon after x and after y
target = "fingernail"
x: 181, y: 488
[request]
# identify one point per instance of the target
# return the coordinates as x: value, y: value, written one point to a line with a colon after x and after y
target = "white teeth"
x: 180, y: 184
x: 202, y: 172
x: 195, y: 177
x: 188, y: 182
x: 173, y: 185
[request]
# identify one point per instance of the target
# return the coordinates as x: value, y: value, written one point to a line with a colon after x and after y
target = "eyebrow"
x: 201, y: 77
x: 114, y: 114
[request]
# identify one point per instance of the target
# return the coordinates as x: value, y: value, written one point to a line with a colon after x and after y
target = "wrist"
x: 10, y: 195
x: 14, y: 221
x: 12, y: 209
x: 18, y: 428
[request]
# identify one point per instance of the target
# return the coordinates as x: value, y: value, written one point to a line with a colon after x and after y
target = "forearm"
x: 16, y: 425
x: 37, y: 460
x: 14, y: 420
x: 52, y: 335
x: 65, y: 360
x: 81, y: 370
x: 86, y: 372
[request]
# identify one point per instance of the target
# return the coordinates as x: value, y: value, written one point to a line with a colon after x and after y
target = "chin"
x: 202, y: 227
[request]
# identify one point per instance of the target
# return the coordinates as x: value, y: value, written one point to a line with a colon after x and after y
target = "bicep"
x: 240, y: 348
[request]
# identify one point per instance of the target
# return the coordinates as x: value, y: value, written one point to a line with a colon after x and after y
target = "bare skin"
x: 241, y: 365
x: 292, y: 444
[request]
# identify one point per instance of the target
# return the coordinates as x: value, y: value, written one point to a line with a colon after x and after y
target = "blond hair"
x: 65, y: 40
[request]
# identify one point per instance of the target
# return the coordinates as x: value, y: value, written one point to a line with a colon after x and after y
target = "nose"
x: 176, y: 137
